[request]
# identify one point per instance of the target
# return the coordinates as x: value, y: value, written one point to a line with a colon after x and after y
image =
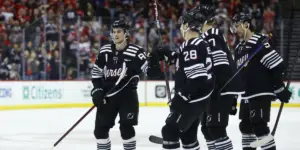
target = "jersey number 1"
x: 188, y: 55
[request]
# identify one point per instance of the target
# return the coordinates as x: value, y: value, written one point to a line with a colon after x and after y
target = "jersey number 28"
x: 188, y: 55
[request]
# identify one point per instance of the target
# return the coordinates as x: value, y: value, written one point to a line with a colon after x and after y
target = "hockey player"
x: 262, y: 77
x: 193, y: 87
x: 222, y: 103
x: 124, y: 99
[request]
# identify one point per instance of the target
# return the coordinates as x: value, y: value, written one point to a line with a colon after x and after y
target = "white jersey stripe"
x: 131, y: 50
x: 129, y: 54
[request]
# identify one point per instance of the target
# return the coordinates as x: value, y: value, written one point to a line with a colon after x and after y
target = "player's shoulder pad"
x: 257, y: 38
x: 213, y: 32
x: 132, y: 50
x: 105, y: 49
x: 195, y: 42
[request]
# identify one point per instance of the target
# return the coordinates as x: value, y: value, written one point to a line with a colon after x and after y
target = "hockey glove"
x: 164, y: 51
x: 98, y: 97
x: 178, y: 102
x: 283, y: 94
x: 233, y: 109
x: 183, y: 104
x: 227, y: 103
x: 154, y: 67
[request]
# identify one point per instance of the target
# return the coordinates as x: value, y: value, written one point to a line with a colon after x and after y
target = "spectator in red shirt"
x: 269, y: 16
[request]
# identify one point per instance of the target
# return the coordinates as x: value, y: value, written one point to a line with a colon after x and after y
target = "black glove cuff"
x: 96, y: 90
x: 183, y: 96
x: 279, y: 90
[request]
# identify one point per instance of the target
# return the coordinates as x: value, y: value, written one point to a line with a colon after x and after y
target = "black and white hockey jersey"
x: 262, y: 75
x: 108, y: 67
x: 193, y: 79
x: 224, y: 66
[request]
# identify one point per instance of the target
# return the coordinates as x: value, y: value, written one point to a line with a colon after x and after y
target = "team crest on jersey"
x: 115, y: 58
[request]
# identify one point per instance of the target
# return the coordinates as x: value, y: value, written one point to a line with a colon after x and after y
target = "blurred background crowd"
x: 59, y: 39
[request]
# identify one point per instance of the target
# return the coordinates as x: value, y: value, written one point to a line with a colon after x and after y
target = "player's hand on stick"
x: 283, y: 94
x: 162, y: 51
x: 154, y: 70
x: 98, y: 97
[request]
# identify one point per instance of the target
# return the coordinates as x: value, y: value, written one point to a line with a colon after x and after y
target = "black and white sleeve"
x: 222, y: 64
x: 139, y: 63
x: 217, y: 43
x: 142, y: 62
x: 97, y: 70
x: 272, y: 61
x: 197, y: 65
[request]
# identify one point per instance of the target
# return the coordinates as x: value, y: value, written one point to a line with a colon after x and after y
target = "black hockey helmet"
x: 194, y: 18
x: 240, y: 18
x: 121, y: 24
x: 207, y: 10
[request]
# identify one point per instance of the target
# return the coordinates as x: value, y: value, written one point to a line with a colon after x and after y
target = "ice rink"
x: 39, y: 129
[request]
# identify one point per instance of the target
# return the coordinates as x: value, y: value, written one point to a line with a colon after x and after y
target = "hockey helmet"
x: 194, y: 19
x: 206, y: 10
x: 122, y: 24
x: 240, y: 18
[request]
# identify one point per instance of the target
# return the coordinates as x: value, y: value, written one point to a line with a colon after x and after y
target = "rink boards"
x: 67, y: 94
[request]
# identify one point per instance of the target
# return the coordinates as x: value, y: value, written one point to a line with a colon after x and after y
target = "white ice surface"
x: 39, y: 129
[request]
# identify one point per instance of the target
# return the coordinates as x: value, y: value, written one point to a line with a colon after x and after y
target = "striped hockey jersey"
x: 262, y: 75
x: 224, y: 66
x: 108, y: 67
x: 193, y: 79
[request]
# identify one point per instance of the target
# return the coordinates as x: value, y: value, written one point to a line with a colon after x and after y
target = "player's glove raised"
x: 283, y: 94
x: 98, y: 97
x: 164, y: 51
x: 153, y: 66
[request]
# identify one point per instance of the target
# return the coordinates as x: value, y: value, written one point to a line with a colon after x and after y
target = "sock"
x: 103, y: 144
x: 223, y: 144
x: 246, y: 140
x: 269, y: 146
x: 192, y: 146
x: 129, y: 144
x: 171, y: 145
x: 211, y: 145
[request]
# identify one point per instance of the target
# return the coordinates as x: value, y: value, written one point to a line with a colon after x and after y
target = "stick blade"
x: 155, y: 139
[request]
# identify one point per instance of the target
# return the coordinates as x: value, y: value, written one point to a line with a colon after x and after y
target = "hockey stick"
x: 159, y: 140
x: 270, y: 137
x: 155, y: 139
x: 122, y: 75
x: 244, y: 64
x: 164, y: 62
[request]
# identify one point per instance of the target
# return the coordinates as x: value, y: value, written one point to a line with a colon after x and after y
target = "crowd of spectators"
x: 59, y: 39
